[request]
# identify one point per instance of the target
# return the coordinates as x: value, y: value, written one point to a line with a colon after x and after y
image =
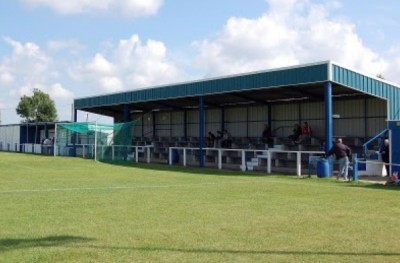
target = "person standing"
x: 266, y: 135
x: 385, y: 153
x: 342, y: 153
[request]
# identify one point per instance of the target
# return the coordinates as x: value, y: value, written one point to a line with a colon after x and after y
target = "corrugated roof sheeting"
x: 283, y: 77
x: 370, y: 86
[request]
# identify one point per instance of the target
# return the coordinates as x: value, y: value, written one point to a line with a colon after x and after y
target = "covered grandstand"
x: 336, y: 101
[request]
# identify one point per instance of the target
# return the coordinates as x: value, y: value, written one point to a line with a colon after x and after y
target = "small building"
x: 26, y: 137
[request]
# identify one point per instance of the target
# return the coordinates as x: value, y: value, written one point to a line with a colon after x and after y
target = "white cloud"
x: 6, y: 77
x: 393, y: 72
x: 133, y: 65
x: 28, y: 61
x: 58, y: 92
x: 26, y: 68
x: 110, y: 84
x: 72, y: 46
x: 290, y: 33
x: 100, y: 65
x: 130, y: 8
x: 145, y: 65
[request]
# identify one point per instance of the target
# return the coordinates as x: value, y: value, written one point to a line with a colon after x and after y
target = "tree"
x: 38, y: 108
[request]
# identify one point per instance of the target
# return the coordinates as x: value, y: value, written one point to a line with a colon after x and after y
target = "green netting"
x: 94, y: 140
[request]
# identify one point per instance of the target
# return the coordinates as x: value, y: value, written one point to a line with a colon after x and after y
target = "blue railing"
x: 379, y: 135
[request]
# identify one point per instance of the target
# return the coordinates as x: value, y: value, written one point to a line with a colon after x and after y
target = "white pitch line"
x: 169, y: 186
x: 111, y: 188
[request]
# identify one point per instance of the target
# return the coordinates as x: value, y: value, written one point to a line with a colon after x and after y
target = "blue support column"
x: 222, y: 119
x: 247, y: 121
x: 153, y: 116
x: 126, y: 113
x: 328, y: 116
x: 75, y: 115
x: 201, y: 131
x: 270, y: 116
x: 142, y: 121
x: 394, y: 146
x: 46, y: 131
x: 126, y: 135
x: 74, y: 134
x: 185, y: 124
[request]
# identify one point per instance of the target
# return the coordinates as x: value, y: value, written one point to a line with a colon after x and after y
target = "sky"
x: 74, y: 49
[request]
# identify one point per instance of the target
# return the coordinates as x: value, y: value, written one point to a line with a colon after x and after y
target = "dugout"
x: 335, y: 100
x: 25, y: 137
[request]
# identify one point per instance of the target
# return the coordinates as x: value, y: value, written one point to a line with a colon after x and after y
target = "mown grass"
x: 75, y: 210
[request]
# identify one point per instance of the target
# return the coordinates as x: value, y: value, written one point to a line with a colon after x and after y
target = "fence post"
x: 243, y: 161
x: 355, y: 168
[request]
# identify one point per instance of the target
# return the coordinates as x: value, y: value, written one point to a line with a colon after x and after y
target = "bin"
x: 71, y: 152
x: 323, y: 168
x: 175, y: 156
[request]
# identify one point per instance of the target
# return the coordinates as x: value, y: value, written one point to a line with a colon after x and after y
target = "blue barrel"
x: 323, y: 168
x: 362, y: 166
x: 175, y: 156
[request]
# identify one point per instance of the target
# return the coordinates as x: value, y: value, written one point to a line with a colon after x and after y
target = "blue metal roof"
x: 369, y: 85
x: 292, y: 82
x: 257, y: 80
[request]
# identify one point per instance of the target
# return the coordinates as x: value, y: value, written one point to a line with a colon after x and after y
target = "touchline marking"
x: 112, y: 187
x: 246, y: 181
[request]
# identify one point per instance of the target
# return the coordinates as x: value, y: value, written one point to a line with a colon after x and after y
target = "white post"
x: 299, y: 163
x: 170, y: 155
x: 148, y: 154
x: 112, y: 152
x: 95, y: 142
x: 243, y: 161
x: 269, y: 162
x: 137, y: 153
x: 184, y: 157
x: 219, y: 159
x: 54, y: 141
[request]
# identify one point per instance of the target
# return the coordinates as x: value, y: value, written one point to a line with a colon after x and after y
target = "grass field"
x: 75, y: 210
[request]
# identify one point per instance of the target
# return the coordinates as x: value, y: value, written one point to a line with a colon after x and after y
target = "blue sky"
x: 71, y: 49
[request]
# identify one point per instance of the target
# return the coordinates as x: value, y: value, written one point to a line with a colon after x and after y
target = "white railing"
x: 298, y: 158
x: 265, y: 154
x: 136, y: 150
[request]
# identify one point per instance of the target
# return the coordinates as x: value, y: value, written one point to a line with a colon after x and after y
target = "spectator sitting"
x: 47, y: 145
x: 226, y: 140
x: 218, y: 139
x: 210, y: 139
x: 47, y: 141
x: 296, y: 133
x: 393, y: 179
x: 306, y: 133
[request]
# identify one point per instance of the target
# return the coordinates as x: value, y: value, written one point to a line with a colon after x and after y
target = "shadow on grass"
x: 244, y: 252
x: 360, y: 184
x: 50, y: 241
x: 187, y: 169
x: 375, y: 186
